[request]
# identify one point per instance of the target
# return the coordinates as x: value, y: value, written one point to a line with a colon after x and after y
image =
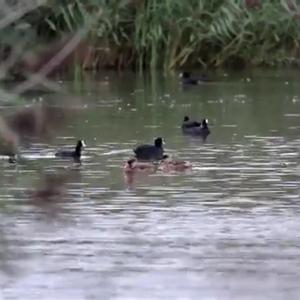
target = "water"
x: 227, y: 229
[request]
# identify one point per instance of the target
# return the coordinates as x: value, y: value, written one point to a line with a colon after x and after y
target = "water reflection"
x: 39, y: 122
x: 227, y: 229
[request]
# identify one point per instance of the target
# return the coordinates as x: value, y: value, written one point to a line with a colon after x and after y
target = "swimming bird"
x: 135, y: 166
x: 195, y: 128
x: 69, y: 153
x: 187, y: 123
x: 187, y: 78
x: 150, y: 152
x: 168, y: 164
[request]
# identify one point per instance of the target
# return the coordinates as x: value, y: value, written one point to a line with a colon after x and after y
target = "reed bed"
x: 156, y: 34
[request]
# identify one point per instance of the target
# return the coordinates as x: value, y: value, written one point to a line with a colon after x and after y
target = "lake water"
x: 228, y: 229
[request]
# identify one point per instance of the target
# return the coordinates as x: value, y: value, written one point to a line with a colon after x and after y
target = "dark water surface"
x: 227, y: 229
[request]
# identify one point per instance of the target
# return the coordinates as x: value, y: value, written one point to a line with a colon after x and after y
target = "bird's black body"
x: 195, y: 128
x: 69, y: 153
x: 150, y: 152
x: 188, y: 79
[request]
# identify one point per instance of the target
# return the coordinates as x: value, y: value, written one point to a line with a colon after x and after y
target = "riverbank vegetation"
x: 150, y: 34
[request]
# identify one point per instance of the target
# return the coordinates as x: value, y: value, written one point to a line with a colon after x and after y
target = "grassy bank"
x: 169, y: 34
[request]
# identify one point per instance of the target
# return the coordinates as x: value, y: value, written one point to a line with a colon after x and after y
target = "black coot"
x: 69, y: 153
x: 188, y: 79
x: 195, y: 128
x: 150, y: 152
x: 187, y: 123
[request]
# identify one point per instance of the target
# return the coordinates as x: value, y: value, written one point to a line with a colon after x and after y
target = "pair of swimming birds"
x: 153, y: 153
x: 156, y: 151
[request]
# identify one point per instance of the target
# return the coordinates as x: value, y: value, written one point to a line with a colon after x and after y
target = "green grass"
x: 171, y: 34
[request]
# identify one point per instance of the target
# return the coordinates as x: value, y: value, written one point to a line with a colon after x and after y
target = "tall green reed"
x: 170, y: 34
